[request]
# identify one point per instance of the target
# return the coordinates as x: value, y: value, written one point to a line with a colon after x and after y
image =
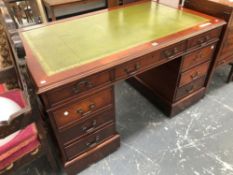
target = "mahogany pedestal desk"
x: 221, y: 9
x: 164, y: 52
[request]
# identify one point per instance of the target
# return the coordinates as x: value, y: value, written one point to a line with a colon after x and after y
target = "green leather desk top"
x: 69, y: 44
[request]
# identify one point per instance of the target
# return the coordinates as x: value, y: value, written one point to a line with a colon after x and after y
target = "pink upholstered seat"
x: 16, y: 95
x: 2, y: 89
x: 21, y: 143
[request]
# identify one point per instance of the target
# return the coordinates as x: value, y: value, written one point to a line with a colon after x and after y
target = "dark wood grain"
x: 194, y: 74
x: 84, y: 160
x: 222, y: 9
x: 198, y: 57
x: 190, y: 88
x: 90, y: 141
x: 76, y: 89
x: 86, y: 126
x: 77, y: 110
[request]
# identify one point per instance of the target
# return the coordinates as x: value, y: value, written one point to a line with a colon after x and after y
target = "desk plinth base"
x: 83, y: 161
x: 168, y: 108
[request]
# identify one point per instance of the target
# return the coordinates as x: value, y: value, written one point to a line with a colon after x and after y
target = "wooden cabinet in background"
x: 222, y: 9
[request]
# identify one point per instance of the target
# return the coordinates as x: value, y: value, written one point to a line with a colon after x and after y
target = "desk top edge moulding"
x: 71, y: 49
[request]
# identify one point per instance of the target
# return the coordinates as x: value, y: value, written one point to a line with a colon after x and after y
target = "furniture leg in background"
x: 42, y: 11
x: 230, y: 76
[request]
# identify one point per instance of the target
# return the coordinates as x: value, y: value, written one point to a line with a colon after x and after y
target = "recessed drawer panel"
x: 133, y: 67
x: 86, y: 126
x: 197, y: 57
x: 190, y: 88
x: 172, y: 51
x: 75, y: 111
x: 77, y: 88
x: 148, y: 61
x: 203, y: 39
x: 89, y: 142
x: 194, y: 74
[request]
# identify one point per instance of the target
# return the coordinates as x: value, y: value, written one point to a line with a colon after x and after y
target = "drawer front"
x: 197, y: 57
x: 194, y: 74
x: 75, y: 111
x: 141, y: 64
x: 89, y: 142
x: 132, y: 68
x: 172, y: 51
x: 190, y: 88
x: 87, y: 126
x: 77, y: 88
x: 203, y: 39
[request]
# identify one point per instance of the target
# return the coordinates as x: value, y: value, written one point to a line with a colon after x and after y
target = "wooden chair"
x: 230, y: 76
x: 27, y: 124
x: 24, y: 12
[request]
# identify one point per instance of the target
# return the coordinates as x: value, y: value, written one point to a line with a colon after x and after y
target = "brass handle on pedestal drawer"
x: 191, y: 89
x: 93, y: 143
x: 195, y: 75
x: 83, y: 83
x: 82, y: 113
x: 91, y: 128
x: 134, y: 71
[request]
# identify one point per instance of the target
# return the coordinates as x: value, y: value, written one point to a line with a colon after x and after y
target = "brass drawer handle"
x: 195, y: 75
x: 84, y: 84
x: 201, y: 41
x: 91, y: 107
x: 170, y: 53
x: 80, y: 112
x: 91, y: 128
x: 190, y: 89
x: 94, y: 142
x: 222, y: 62
x: 134, y: 71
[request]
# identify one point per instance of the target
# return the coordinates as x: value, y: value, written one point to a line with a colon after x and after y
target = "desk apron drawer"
x: 148, y: 61
x: 87, y: 126
x: 89, y: 142
x: 76, y: 88
x: 203, y: 39
x: 171, y: 52
x: 194, y: 74
x: 190, y: 88
x: 133, y: 67
x: 197, y: 57
x: 73, y: 112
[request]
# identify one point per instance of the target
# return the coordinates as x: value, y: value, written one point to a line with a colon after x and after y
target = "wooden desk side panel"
x: 224, y: 11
